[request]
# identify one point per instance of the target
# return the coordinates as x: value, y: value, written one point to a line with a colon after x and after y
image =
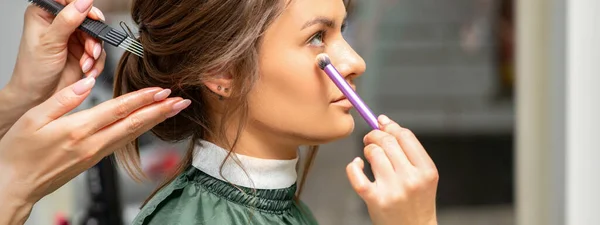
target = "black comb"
x: 97, y: 29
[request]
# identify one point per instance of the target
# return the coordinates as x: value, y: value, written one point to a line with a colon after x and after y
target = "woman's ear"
x: 220, y: 85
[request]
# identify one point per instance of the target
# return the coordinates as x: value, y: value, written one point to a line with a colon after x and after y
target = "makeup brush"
x: 325, y: 64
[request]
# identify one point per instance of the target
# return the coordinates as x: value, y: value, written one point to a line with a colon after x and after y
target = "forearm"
x: 10, y: 109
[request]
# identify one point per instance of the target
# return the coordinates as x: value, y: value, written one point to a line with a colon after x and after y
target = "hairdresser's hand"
x: 52, y: 55
x: 45, y: 149
x: 406, y: 178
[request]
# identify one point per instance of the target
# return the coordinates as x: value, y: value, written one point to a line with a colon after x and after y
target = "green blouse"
x: 196, y: 197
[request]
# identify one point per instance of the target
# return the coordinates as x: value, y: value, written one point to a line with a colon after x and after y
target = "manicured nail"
x: 87, y: 65
x: 93, y: 73
x: 172, y: 114
x: 84, y: 85
x: 99, y: 13
x: 181, y: 105
x: 384, y: 120
x: 83, y: 5
x: 178, y: 107
x: 97, y: 51
x: 356, y: 160
x: 162, y: 95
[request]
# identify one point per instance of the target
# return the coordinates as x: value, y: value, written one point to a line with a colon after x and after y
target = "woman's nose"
x: 347, y: 61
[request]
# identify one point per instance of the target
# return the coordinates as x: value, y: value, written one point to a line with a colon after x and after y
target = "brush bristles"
x: 323, y: 60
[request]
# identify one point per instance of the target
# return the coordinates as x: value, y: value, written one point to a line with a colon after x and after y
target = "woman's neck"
x: 258, y: 144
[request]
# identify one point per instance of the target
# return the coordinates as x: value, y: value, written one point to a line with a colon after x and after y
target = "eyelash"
x: 320, y: 35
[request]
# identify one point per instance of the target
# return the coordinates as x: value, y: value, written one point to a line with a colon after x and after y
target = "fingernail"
x: 83, y: 5
x: 93, y: 73
x: 97, y: 51
x: 384, y: 120
x: 181, y: 105
x: 172, y: 114
x: 162, y: 95
x: 356, y: 160
x: 84, y: 85
x: 87, y: 65
x: 99, y: 13
x: 178, y: 107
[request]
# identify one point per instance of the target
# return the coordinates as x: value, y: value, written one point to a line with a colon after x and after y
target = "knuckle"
x: 397, y: 196
x: 87, y: 155
x: 388, y: 140
x: 389, y: 202
x: 412, y: 185
x: 63, y: 99
x: 77, y: 135
x: 431, y: 175
x: 406, y: 133
x: 28, y: 120
x: 368, y: 137
x: 371, y: 147
x: 28, y: 12
x: 373, y: 136
x: 361, y: 189
x: 135, y: 124
x: 370, y: 150
x: 121, y: 109
x: 67, y: 18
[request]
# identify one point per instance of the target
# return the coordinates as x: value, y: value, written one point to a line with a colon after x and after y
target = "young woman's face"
x: 294, y: 100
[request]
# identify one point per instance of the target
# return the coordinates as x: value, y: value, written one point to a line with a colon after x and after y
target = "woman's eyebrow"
x: 328, y: 22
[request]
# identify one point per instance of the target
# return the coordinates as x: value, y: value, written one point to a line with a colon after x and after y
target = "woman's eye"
x: 317, y: 39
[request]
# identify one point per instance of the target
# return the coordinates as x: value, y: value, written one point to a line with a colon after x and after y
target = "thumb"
x: 62, y: 102
x: 67, y: 20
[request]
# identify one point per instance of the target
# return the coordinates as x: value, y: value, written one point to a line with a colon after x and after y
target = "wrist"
x: 13, y: 104
x: 14, y: 209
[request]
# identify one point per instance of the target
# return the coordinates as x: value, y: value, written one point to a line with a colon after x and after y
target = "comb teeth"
x: 132, y: 46
x: 49, y: 5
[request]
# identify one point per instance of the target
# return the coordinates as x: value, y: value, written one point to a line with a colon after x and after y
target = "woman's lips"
x: 342, y: 101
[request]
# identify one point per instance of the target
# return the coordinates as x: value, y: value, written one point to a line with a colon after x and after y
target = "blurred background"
x: 501, y: 94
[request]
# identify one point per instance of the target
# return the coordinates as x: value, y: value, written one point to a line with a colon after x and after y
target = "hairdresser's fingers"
x: 359, y: 181
x: 66, y: 22
x: 60, y: 103
x: 86, y: 62
x: 75, y: 47
x: 128, y: 129
x: 116, y: 109
x: 391, y: 148
x: 98, y: 67
x: 381, y: 166
x: 93, y: 47
x: 95, y: 13
x: 71, y: 72
x: 409, y: 143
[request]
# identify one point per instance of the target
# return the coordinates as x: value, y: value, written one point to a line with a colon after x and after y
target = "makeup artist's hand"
x: 406, y: 178
x: 52, y: 55
x: 44, y: 149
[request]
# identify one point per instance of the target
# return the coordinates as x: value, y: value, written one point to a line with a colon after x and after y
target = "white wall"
x: 558, y: 107
x: 583, y: 112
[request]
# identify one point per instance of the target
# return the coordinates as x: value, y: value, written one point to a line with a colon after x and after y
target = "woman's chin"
x: 335, y: 129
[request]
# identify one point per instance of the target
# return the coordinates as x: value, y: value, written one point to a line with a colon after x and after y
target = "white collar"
x: 259, y: 173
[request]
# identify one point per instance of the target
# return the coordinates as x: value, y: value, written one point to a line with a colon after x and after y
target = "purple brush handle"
x: 358, y: 103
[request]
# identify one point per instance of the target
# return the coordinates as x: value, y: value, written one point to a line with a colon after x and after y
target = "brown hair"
x: 185, y: 43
